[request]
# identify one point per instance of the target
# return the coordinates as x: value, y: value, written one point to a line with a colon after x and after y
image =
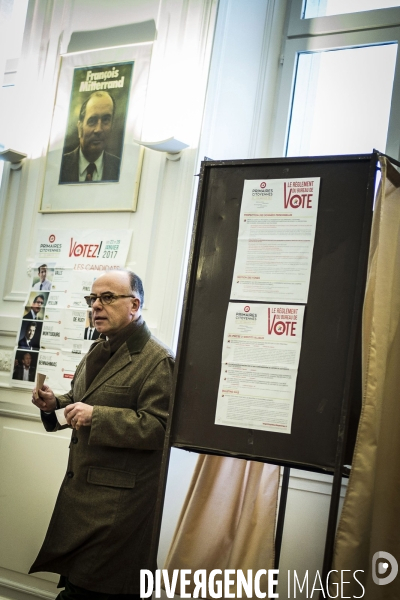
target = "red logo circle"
x: 263, y: 185
x: 52, y: 238
x: 246, y: 308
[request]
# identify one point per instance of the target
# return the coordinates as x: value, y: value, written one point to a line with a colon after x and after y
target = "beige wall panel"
x: 32, y: 465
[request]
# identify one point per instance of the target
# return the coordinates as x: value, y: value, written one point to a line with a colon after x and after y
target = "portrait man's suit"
x: 95, y: 334
x: 19, y: 373
x: 30, y: 315
x: 70, y: 167
x: 100, y: 531
x: 32, y: 345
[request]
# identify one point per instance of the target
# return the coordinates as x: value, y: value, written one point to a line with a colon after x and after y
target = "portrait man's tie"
x: 89, y: 171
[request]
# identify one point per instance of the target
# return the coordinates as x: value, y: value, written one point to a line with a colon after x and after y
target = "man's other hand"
x: 46, y: 400
x: 78, y: 415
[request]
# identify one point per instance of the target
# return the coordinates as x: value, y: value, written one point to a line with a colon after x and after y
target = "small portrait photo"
x: 34, y: 310
x: 25, y: 364
x: 94, y: 138
x: 29, y: 336
x: 42, y: 277
x: 91, y: 332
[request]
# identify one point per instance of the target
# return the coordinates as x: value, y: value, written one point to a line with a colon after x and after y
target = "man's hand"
x: 78, y: 414
x: 46, y: 400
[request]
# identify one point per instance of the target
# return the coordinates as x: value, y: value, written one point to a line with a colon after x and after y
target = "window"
x: 12, y: 25
x: 341, y: 101
x: 324, y: 8
x: 340, y: 85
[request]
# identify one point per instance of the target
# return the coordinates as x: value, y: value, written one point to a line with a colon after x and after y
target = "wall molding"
x: 15, y: 296
x: 8, y: 333
x: 25, y: 592
x: 19, y: 411
x: 5, y: 360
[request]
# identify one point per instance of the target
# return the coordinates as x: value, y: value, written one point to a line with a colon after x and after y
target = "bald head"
x: 125, y: 275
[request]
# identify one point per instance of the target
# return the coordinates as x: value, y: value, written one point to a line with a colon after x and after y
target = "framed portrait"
x: 93, y: 163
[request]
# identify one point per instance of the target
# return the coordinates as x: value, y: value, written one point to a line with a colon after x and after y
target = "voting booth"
x: 315, y: 429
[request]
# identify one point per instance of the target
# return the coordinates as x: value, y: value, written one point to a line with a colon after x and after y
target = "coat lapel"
x: 117, y: 362
x: 122, y: 357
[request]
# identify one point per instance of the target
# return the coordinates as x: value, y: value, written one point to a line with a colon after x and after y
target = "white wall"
x: 239, y: 109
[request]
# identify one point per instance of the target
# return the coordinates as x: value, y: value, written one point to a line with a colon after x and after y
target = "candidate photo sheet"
x: 56, y: 329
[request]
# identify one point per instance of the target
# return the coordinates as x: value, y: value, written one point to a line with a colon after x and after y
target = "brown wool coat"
x: 100, y: 531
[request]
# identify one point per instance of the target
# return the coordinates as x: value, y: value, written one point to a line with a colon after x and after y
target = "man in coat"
x: 99, y: 535
x: 90, y: 162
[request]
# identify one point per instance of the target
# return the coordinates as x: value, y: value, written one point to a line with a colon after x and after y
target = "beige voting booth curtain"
x: 370, y: 520
x: 228, y: 518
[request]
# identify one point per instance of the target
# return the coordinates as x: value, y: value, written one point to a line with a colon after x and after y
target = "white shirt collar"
x: 83, y: 164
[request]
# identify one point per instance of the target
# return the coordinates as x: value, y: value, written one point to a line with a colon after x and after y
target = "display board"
x: 327, y: 387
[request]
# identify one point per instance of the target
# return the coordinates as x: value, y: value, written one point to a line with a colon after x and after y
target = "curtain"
x: 228, y: 518
x: 370, y: 518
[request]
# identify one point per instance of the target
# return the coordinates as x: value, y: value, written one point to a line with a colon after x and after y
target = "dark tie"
x: 41, y: 286
x: 89, y: 171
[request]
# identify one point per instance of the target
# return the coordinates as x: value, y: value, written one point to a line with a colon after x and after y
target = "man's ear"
x: 79, y: 125
x: 136, y: 304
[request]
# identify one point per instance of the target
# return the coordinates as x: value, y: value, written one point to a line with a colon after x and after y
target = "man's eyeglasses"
x: 105, y: 298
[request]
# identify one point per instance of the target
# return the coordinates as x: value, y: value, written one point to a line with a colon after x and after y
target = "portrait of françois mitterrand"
x: 93, y: 144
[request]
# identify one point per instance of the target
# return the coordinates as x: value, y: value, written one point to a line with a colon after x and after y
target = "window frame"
x: 330, y: 33
x: 380, y: 17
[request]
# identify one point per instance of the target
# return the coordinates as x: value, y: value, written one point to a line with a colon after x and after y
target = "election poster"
x: 93, y: 160
x: 269, y: 291
x: 276, y: 240
x: 96, y: 123
x: 260, y: 358
x: 56, y: 325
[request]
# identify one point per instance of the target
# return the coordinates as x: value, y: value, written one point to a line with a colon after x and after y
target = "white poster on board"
x: 82, y: 250
x: 276, y: 240
x: 260, y: 357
